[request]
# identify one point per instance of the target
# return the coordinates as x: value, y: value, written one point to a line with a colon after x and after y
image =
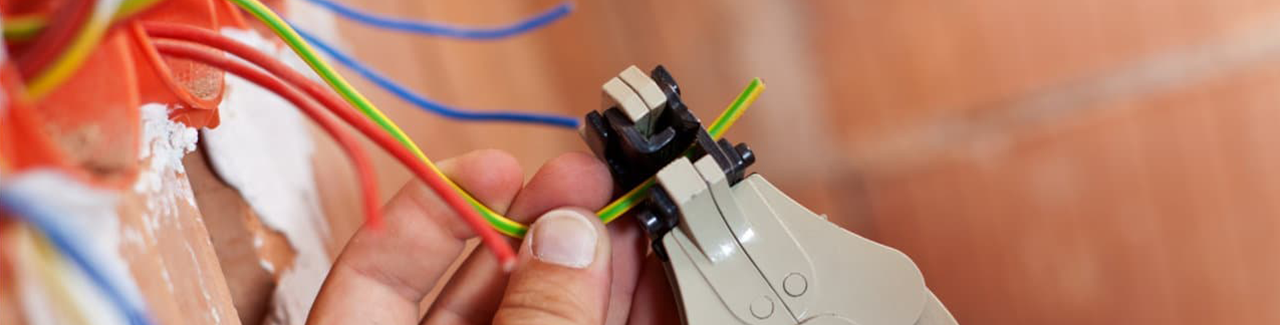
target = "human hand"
x: 572, y: 269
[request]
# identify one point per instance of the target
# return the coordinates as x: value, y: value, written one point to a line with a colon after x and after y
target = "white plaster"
x: 162, y: 183
x: 163, y: 144
x: 263, y: 149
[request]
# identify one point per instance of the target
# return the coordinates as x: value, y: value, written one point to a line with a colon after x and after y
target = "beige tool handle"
x: 748, y: 254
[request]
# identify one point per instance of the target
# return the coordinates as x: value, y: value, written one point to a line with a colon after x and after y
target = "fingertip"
x: 568, y: 237
x: 564, y: 275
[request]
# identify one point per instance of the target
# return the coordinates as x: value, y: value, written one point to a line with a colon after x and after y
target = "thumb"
x: 563, y: 276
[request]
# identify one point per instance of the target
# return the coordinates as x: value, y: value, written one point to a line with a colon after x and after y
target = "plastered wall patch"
x: 263, y: 149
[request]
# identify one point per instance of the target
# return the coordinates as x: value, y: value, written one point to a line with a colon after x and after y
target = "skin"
x: 383, y: 274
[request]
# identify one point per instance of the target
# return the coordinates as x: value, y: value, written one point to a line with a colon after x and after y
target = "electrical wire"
x: 315, y: 90
x: 67, y: 62
x: 739, y: 105
x: 54, y: 278
x: 431, y: 106
x: 25, y: 27
x: 165, y: 74
x: 328, y: 99
x: 438, y: 29
x: 131, y: 7
x: 53, y: 41
x: 717, y: 129
x: 436, y: 182
x: 471, y: 215
x: 46, y: 222
x: 359, y: 158
x: 351, y: 95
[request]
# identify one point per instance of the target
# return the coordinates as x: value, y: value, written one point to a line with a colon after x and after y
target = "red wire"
x: 51, y: 42
x: 368, y: 180
x: 490, y: 237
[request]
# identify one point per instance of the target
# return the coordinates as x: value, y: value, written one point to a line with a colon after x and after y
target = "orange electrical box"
x: 90, y: 124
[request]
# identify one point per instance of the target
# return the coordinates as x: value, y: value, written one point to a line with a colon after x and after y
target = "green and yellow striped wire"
x: 82, y: 44
x: 501, y: 223
x: 24, y: 27
x: 85, y: 41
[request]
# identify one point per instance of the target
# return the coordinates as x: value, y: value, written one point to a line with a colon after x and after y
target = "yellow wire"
x: 68, y: 62
x: 22, y: 28
x: 54, y: 277
x: 131, y: 7
x: 335, y: 80
x: 343, y: 88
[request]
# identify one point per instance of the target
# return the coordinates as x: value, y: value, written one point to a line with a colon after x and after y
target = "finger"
x: 383, y: 273
x: 654, y: 303
x: 472, y: 295
x: 572, y: 179
x: 564, y: 274
x: 629, y: 247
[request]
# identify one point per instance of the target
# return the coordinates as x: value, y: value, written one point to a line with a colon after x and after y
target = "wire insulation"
x: 82, y: 45
x: 54, y: 278
x: 717, y: 129
x: 438, y: 29
x: 23, y: 28
x: 353, y: 96
x: 282, y: 29
x: 47, y: 223
x: 326, y: 98
x: 131, y: 7
x: 53, y: 41
x: 432, y: 106
x: 359, y: 158
x: 165, y: 73
x: 435, y: 180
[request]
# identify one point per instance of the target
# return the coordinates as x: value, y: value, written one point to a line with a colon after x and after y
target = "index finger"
x: 383, y: 273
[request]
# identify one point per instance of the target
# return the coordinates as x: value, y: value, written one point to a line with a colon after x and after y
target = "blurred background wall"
x: 1044, y: 162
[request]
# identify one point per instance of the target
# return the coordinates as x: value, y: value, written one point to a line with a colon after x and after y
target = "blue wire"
x: 413, y: 26
x: 432, y: 106
x: 64, y: 242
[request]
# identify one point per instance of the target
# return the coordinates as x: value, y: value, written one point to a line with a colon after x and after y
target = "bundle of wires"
x: 60, y: 46
x: 437, y: 29
x: 49, y: 225
x: 506, y: 225
x: 348, y: 104
x: 420, y: 166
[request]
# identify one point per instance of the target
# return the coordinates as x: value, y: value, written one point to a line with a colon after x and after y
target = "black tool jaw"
x: 633, y: 156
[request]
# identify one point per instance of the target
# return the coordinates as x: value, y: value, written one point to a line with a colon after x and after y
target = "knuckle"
x: 541, y: 303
